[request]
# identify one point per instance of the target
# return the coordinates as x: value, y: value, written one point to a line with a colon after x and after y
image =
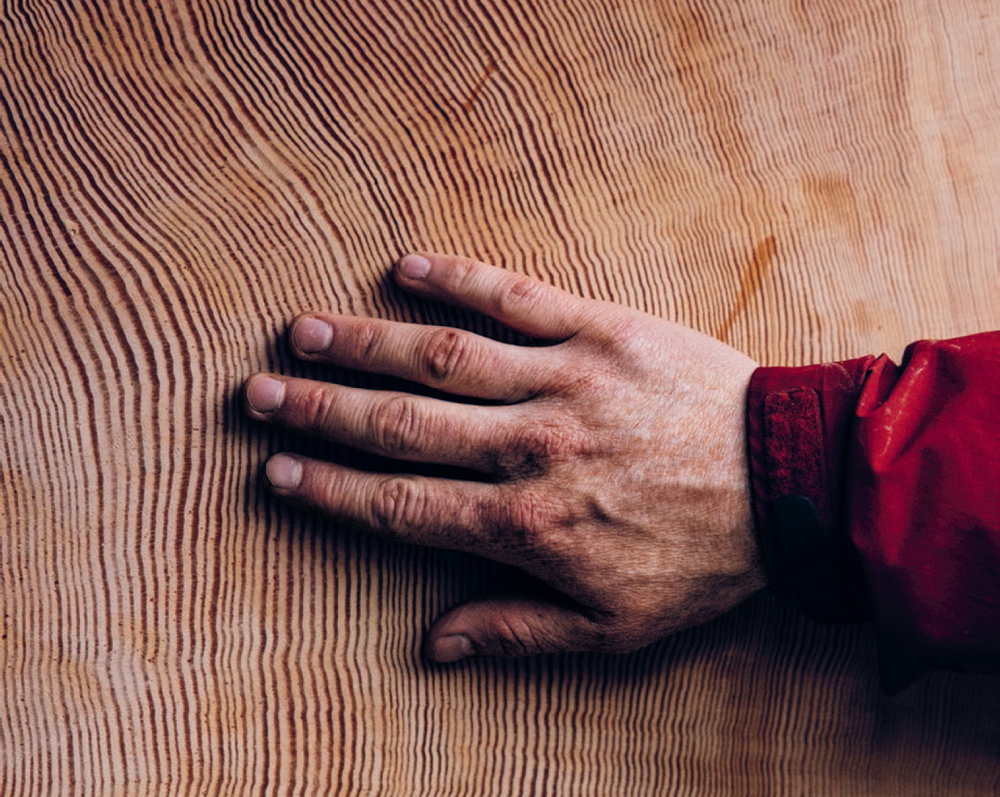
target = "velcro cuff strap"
x: 807, y: 554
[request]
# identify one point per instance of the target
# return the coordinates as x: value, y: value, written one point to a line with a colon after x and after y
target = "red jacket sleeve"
x: 876, y: 492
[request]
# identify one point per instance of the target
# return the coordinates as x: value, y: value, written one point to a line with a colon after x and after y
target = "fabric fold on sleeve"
x: 876, y: 493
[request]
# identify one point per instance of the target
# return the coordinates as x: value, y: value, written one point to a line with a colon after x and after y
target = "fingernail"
x: 283, y: 472
x: 414, y: 267
x: 312, y: 335
x: 265, y: 394
x: 451, y: 648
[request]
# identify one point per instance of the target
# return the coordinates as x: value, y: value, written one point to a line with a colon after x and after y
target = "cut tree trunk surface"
x: 806, y: 181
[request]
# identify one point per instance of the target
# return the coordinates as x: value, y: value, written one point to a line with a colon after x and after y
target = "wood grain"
x: 805, y: 180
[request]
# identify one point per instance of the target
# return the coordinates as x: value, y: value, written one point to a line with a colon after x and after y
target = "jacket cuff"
x: 799, y: 422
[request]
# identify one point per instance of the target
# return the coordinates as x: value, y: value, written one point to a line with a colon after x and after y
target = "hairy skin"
x: 616, y: 456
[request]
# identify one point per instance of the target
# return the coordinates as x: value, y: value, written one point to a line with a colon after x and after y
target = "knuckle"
x: 519, y: 292
x: 541, y: 445
x: 463, y: 269
x: 316, y: 405
x: 395, y: 425
x: 447, y: 352
x: 544, y: 442
x: 529, y: 525
x: 620, y: 343
x: 398, y: 506
x: 460, y: 273
x: 514, y: 636
x: 366, y: 338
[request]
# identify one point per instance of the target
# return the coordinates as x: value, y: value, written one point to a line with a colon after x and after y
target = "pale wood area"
x: 807, y: 181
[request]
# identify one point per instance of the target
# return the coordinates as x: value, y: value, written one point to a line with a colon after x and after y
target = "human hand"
x: 615, y: 458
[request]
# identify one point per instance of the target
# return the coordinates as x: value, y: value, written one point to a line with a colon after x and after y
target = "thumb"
x: 508, y: 627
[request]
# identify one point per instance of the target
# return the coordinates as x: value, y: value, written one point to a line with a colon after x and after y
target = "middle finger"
x: 388, y: 423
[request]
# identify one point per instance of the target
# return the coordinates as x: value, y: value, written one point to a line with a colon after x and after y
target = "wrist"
x: 740, y: 512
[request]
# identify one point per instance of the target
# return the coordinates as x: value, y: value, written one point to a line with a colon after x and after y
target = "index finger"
x: 517, y: 301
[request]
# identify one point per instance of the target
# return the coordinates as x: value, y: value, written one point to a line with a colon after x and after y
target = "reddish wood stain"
x: 491, y: 67
x: 753, y: 277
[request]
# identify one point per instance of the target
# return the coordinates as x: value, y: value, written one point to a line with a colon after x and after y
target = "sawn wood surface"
x: 806, y: 181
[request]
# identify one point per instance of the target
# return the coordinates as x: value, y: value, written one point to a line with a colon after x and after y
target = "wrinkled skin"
x: 615, y: 458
